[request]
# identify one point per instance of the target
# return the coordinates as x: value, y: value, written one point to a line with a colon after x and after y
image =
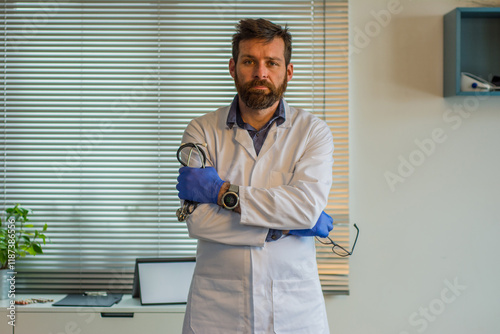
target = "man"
x: 262, y: 199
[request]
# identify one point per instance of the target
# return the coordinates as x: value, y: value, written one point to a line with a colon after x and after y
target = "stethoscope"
x: 184, y: 156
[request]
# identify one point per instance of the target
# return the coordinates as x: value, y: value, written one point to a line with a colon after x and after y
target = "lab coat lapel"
x: 270, y: 140
x: 243, y: 138
x: 275, y: 131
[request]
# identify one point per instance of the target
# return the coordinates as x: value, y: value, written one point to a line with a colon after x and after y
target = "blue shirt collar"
x: 234, y: 115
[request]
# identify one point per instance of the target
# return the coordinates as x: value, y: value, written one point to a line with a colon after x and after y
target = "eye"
x: 247, y: 61
x: 273, y: 63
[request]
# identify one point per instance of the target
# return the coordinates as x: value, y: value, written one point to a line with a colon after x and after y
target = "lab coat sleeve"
x: 296, y: 203
x: 211, y: 222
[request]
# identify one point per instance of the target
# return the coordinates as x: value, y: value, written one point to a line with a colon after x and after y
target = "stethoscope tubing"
x: 193, y: 146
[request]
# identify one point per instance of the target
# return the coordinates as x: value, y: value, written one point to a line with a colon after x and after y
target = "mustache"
x: 257, y: 82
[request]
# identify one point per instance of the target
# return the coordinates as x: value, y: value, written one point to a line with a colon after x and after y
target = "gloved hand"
x: 200, y: 185
x: 322, y: 228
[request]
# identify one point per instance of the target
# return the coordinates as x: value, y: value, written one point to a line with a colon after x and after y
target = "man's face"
x: 260, y: 74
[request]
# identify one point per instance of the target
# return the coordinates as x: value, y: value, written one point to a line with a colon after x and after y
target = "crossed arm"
x: 296, y: 204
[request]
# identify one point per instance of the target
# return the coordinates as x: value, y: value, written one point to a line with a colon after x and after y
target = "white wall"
x: 441, y: 226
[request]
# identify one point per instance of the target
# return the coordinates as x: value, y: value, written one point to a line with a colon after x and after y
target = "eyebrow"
x: 268, y: 58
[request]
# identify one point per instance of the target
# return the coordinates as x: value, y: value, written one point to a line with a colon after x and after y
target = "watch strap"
x: 234, y: 189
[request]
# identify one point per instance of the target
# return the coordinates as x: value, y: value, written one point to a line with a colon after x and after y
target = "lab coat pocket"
x: 277, y: 179
x: 298, y: 307
x: 216, y: 305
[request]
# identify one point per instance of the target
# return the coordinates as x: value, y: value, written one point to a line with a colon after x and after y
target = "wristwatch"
x: 231, y: 198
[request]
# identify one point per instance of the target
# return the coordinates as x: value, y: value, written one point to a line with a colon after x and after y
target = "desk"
x: 127, y: 316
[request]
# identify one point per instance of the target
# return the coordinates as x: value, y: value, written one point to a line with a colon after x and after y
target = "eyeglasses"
x: 339, y: 250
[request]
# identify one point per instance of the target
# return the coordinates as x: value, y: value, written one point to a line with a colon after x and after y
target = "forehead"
x: 260, y: 48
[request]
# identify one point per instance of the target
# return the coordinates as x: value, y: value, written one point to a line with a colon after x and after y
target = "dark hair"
x: 261, y: 29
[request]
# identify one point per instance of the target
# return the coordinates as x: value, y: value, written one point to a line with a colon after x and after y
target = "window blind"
x: 96, y: 96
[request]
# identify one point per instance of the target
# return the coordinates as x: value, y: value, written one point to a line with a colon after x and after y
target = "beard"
x: 259, y: 99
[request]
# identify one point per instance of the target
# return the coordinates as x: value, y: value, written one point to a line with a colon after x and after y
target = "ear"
x: 232, y: 67
x: 289, y: 72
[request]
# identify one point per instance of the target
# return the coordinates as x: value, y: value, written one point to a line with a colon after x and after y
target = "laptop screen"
x: 163, y: 281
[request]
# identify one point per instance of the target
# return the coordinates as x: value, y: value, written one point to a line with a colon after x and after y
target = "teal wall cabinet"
x: 471, y: 44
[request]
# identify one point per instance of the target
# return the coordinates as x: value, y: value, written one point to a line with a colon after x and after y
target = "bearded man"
x: 261, y: 199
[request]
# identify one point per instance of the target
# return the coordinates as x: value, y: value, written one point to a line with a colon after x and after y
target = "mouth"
x: 260, y: 87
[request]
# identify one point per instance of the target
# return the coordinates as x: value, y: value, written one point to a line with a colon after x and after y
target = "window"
x: 96, y: 96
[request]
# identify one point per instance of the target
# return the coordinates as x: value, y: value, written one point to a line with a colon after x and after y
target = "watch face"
x: 230, y: 200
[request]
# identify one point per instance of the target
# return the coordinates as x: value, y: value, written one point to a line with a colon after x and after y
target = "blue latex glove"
x: 200, y: 185
x: 322, y: 228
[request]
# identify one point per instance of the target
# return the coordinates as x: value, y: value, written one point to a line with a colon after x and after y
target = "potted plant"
x: 17, y: 239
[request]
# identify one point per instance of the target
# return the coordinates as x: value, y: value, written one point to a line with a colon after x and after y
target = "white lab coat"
x: 241, y: 283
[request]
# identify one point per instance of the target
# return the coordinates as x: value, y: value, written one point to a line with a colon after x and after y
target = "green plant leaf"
x: 44, y: 227
x: 37, y: 248
x: 31, y: 250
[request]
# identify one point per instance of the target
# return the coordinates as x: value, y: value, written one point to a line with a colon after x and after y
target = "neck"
x: 257, y: 118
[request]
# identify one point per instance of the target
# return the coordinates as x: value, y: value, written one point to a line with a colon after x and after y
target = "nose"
x: 260, y: 71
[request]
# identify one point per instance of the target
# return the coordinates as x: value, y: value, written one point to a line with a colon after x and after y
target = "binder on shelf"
x: 82, y: 299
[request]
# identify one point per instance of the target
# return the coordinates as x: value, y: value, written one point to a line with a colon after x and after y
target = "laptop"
x: 163, y: 280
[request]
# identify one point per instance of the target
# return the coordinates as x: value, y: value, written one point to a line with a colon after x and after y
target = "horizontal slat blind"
x: 96, y: 96
x: 330, y: 102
